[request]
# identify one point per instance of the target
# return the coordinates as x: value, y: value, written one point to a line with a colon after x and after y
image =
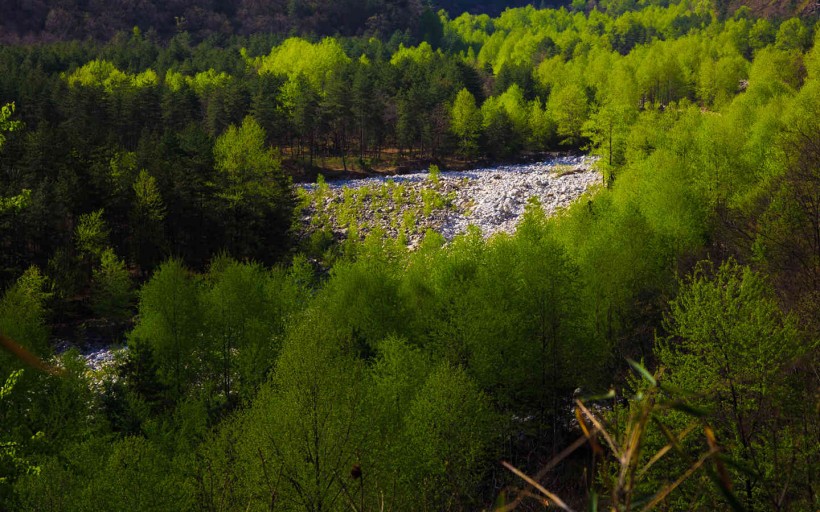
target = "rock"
x: 491, y: 199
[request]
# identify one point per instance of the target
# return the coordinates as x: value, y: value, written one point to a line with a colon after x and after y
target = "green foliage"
x: 792, y: 35
x: 6, y: 123
x: 23, y: 316
x: 15, y: 203
x: 105, y: 75
x: 451, y: 429
x: 112, y: 294
x: 434, y: 174
x: 304, y: 423
x: 607, y: 128
x: 420, y: 55
x: 11, y: 462
x: 731, y: 317
x: 147, y: 216
x: 295, y: 56
x: 541, y: 127
x: 366, y: 375
x: 170, y: 318
x: 783, y: 243
x: 568, y: 106
x: 92, y: 233
x: 136, y: 477
x: 129, y: 474
x: 254, y: 190
x: 149, y: 205
x: 466, y: 121
x: 246, y: 310
x: 241, y: 154
x: 731, y: 344
x: 774, y: 72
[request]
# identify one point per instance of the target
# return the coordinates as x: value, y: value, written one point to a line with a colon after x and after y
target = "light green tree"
x: 112, y: 288
x: 246, y: 307
x: 241, y: 154
x: 301, y: 435
x: 147, y: 216
x: 254, y: 192
x: 23, y: 317
x: 395, y: 378
x: 295, y: 56
x: 541, y: 127
x: 465, y: 121
x: 138, y: 476
x: 91, y: 234
x: 170, y: 322
x: 761, y: 34
x: 12, y: 462
x: 568, y: 107
x: 6, y: 123
x: 793, y: 35
x: 607, y: 129
x: 448, y: 440
x: 731, y: 344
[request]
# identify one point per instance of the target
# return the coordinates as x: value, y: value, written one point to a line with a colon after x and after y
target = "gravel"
x: 492, y: 199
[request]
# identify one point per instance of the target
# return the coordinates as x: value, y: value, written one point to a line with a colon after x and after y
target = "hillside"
x: 52, y: 20
x: 551, y: 258
x: 777, y: 9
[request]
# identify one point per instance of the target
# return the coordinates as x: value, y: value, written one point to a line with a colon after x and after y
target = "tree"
x: 254, y: 192
x: 245, y: 309
x: 301, y: 100
x: 6, y: 123
x: 111, y: 295
x: 367, y: 106
x: 448, y: 438
x: 568, y: 107
x: 136, y: 477
x: 788, y: 231
x: 730, y: 342
x: 91, y: 235
x: 301, y: 435
x: 541, y: 126
x: 170, y: 322
x: 12, y: 463
x: 466, y: 122
x: 395, y: 378
x: 267, y: 108
x: 23, y: 317
x: 607, y: 129
x: 147, y: 216
x: 501, y: 137
x: 336, y: 109
x: 792, y: 35
x: 761, y: 34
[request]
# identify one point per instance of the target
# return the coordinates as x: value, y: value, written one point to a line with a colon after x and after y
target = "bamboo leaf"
x: 550, y: 496
x: 674, y: 485
x: 643, y: 371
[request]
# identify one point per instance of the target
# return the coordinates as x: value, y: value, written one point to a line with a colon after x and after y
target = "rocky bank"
x: 492, y: 199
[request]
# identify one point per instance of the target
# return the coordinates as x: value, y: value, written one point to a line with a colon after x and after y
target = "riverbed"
x: 493, y: 199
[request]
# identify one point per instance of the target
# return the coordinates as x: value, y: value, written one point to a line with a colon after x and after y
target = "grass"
x: 399, y: 208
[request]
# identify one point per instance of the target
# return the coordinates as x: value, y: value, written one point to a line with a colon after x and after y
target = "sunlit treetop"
x: 205, y: 81
x: 317, y: 61
x: 421, y: 54
x: 104, y: 74
x: 470, y: 28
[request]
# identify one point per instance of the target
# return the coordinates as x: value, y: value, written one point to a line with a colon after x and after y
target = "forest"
x: 50, y: 20
x: 654, y: 346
